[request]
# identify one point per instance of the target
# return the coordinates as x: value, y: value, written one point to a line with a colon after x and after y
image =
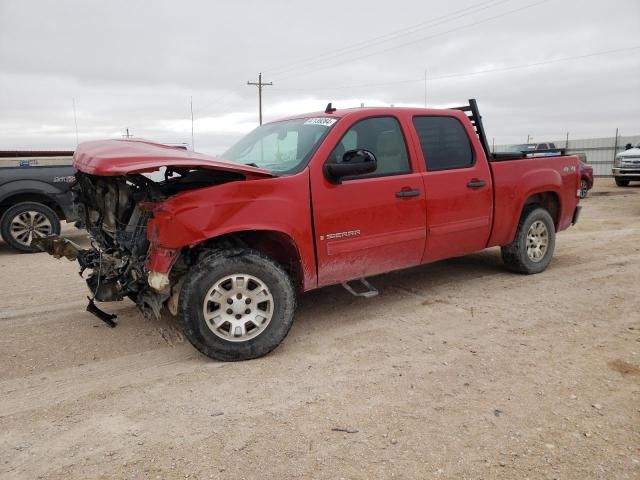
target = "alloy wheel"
x: 28, y: 225
x: 537, y: 241
x: 238, y: 307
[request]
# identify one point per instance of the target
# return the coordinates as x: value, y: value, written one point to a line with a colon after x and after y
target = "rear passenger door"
x: 457, y: 185
x: 373, y: 223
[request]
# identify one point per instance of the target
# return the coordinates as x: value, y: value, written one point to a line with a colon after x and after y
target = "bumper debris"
x: 107, y: 318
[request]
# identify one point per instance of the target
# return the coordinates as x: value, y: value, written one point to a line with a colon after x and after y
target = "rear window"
x: 444, y: 141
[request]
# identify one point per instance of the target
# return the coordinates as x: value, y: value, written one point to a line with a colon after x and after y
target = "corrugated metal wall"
x: 600, y: 152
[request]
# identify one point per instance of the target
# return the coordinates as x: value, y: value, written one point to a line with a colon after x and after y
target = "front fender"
x: 280, y: 204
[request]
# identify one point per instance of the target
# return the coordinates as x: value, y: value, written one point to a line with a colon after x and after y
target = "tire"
x: 621, y: 182
x: 584, y: 188
x: 521, y: 255
x: 267, y: 297
x: 23, y: 221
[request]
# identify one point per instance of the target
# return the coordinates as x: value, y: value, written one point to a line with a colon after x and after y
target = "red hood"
x: 122, y: 157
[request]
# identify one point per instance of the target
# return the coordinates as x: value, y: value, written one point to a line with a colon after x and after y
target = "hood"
x: 632, y: 152
x: 123, y: 157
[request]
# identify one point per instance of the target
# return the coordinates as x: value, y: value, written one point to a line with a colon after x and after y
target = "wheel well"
x: 31, y: 197
x: 276, y: 245
x: 547, y: 200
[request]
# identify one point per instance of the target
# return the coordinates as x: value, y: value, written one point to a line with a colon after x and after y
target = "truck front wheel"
x: 24, y: 221
x: 236, y: 305
x: 532, y: 248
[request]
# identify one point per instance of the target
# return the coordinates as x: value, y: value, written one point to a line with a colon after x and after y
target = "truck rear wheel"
x: 621, y: 182
x: 24, y: 221
x: 236, y: 305
x: 532, y: 248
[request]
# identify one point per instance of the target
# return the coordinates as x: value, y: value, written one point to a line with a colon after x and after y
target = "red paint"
x: 586, y: 173
x: 160, y: 259
x: 446, y: 219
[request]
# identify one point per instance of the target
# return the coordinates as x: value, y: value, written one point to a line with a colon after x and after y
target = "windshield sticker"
x: 327, y: 122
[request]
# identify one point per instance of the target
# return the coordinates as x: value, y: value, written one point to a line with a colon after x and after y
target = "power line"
x: 388, y: 36
x: 376, y: 40
x: 467, y: 74
x: 218, y: 100
x: 556, y: 60
x: 395, y: 47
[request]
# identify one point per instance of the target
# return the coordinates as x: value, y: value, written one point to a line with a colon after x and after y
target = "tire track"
x: 33, y: 392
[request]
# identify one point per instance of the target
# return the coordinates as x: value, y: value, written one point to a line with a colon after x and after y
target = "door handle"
x: 475, y: 183
x: 407, y: 193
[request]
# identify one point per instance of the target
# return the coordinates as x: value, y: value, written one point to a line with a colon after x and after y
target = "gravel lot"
x: 457, y: 370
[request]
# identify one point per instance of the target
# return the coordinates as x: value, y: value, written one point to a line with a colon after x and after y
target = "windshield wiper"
x: 252, y: 165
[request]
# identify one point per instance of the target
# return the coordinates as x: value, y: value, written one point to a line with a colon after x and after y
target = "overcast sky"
x: 536, y: 66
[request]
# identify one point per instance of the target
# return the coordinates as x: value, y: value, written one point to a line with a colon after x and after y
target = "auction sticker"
x: 325, y: 121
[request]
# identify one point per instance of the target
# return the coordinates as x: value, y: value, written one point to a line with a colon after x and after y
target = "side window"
x: 383, y: 137
x: 444, y: 141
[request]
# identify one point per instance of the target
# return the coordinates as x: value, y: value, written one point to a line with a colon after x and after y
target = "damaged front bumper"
x: 123, y: 215
x: 112, y: 278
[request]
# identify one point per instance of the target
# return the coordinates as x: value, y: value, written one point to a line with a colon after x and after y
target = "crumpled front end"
x: 121, y: 261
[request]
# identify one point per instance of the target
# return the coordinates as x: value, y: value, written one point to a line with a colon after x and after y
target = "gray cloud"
x: 135, y: 64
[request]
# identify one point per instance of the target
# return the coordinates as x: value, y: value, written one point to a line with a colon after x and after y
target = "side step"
x: 370, y: 291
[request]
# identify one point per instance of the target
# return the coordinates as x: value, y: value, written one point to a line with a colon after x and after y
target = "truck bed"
x: 517, y: 179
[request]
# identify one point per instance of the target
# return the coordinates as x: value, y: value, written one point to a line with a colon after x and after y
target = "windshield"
x: 281, y: 147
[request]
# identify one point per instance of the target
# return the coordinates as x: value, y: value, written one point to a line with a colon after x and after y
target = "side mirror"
x: 354, y: 162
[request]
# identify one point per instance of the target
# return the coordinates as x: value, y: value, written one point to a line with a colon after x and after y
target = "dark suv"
x: 34, y: 195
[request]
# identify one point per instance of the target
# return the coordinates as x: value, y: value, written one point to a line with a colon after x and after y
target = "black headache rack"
x: 475, y: 118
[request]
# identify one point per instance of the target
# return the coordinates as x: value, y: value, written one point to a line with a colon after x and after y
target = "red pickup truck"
x: 301, y: 203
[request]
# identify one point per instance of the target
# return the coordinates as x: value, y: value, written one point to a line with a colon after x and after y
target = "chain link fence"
x: 600, y: 152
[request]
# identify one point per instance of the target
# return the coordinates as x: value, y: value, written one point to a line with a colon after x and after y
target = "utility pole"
x: 193, y: 145
x: 75, y: 119
x: 425, y: 88
x: 127, y: 135
x: 260, y: 84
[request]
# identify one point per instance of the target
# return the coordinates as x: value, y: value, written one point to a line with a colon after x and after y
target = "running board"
x: 370, y: 292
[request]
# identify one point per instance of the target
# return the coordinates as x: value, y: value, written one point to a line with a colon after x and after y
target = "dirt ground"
x: 457, y: 370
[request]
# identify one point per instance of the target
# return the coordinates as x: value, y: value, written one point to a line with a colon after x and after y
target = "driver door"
x: 374, y: 223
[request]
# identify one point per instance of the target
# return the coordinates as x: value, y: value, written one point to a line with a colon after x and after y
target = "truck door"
x: 373, y: 223
x: 457, y: 185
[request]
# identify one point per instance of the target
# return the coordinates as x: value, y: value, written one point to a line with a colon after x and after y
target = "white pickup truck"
x: 626, y: 167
